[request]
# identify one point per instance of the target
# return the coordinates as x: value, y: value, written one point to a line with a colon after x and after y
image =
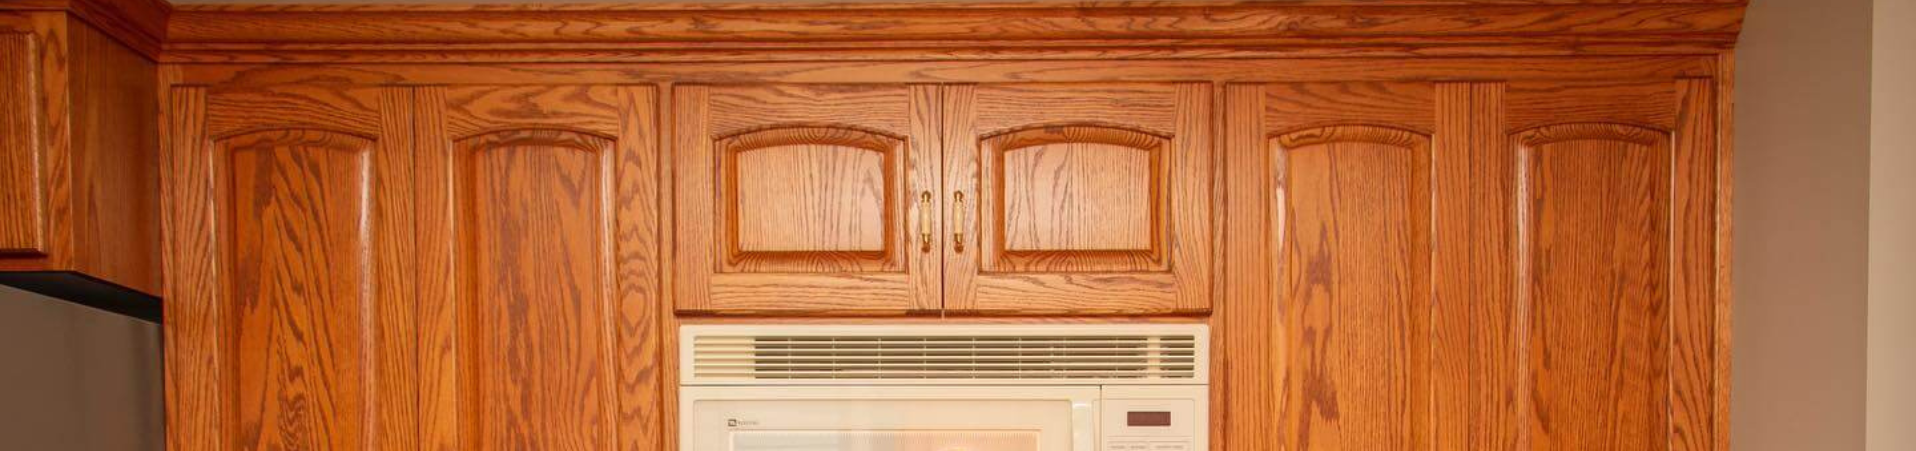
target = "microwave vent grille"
x: 1125, y: 354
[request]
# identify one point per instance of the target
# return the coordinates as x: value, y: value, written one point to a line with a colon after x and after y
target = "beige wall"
x: 76, y: 379
x: 1801, y: 212
x: 1892, y: 229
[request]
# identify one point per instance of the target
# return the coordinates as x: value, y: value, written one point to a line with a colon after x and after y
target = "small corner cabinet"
x: 1410, y: 225
x: 79, y: 153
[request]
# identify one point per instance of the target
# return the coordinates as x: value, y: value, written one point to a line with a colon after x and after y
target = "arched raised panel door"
x: 1615, y: 241
x: 1078, y: 199
x: 806, y: 198
x: 1596, y: 261
x: 1353, y: 285
x: 290, y: 315
x: 538, y: 336
x: 811, y: 199
x: 1326, y: 324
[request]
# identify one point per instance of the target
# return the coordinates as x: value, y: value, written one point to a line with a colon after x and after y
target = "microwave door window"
x: 925, y: 440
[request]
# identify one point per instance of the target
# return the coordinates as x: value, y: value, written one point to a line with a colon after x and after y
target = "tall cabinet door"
x: 805, y: 198
x: 289, y: 316
x: 1326, y: 328
x: 1615, y: 238
x: 536, y: 241
x: 1078, y: 198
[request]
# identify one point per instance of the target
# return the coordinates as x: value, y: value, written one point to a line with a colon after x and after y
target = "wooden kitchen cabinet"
x: 79, y: 176
x: 1473, y: 265
x: 996, y: 198
x: 1078, y: 198
x: 1410, y: 226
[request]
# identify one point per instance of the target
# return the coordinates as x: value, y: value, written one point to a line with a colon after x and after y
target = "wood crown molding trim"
x: 944, y: 31
x: 139, y: 24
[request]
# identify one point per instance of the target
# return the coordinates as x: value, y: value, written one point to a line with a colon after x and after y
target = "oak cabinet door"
x: 1077, y: 198
x: 805, y: 198
x: 1615, y: 238
x: 537, y: 326
x: 289, y: 321
x: 1330, y: 251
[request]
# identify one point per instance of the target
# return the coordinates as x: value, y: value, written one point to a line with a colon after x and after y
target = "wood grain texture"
x: 114, y: 142
x: 1073, y: 198
x: 987, y: 125
x: 1643, y: 103
x: 1722, y: 249
x: 534, y: 246
x: 640, y: 300
x: 1693, y: 220
x: 730, y: 259
x: 292, y: 305
x: 1595, y: 261
x: 137, y: 24
x: 302, y: 260
x: 1249, y: 352
x: 985, y: 71
x: 1049, y: 189
x: 22, y: 199
x: 1476, y: 324
x: 1328, y: 334
x: 1355, y: 288
x: 91, y: 195
x: 195, y: 380
x: 542, y: 335
x: 1042, y: 30
x: 811, y: 199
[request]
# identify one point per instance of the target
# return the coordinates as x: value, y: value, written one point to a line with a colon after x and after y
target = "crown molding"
x: 670, y: 32
x: 139, y: 24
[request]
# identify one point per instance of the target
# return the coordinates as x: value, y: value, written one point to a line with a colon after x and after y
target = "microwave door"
x: 890, y: 418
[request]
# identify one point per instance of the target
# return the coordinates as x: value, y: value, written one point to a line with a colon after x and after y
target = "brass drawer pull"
x: 958, y: 222
x: 924, y: 221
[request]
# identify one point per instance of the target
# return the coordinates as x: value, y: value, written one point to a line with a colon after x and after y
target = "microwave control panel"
x: 1153, y: 418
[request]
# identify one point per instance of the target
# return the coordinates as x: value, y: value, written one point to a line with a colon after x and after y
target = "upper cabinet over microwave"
x: 991, y: 199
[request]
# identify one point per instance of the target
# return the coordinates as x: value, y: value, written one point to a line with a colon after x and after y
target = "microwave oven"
x: 1127, y: 387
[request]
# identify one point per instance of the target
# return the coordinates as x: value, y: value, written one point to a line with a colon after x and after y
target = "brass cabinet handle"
x: 958, y: 222
x: 924, y: 221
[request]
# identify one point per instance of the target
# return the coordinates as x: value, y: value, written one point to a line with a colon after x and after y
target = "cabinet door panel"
x: 1597, y: 258
x: 1078, y: 198
x: 805, y: 198
x: 303, y: 340
x: 1354, y: 290
x: 302, y: 253
x: 1613, y: 261
x: 533, y: 331
x: 1330, y: 255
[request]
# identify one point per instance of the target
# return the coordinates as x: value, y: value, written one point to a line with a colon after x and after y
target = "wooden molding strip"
x: 139, y: 24
x: 943, y: 31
